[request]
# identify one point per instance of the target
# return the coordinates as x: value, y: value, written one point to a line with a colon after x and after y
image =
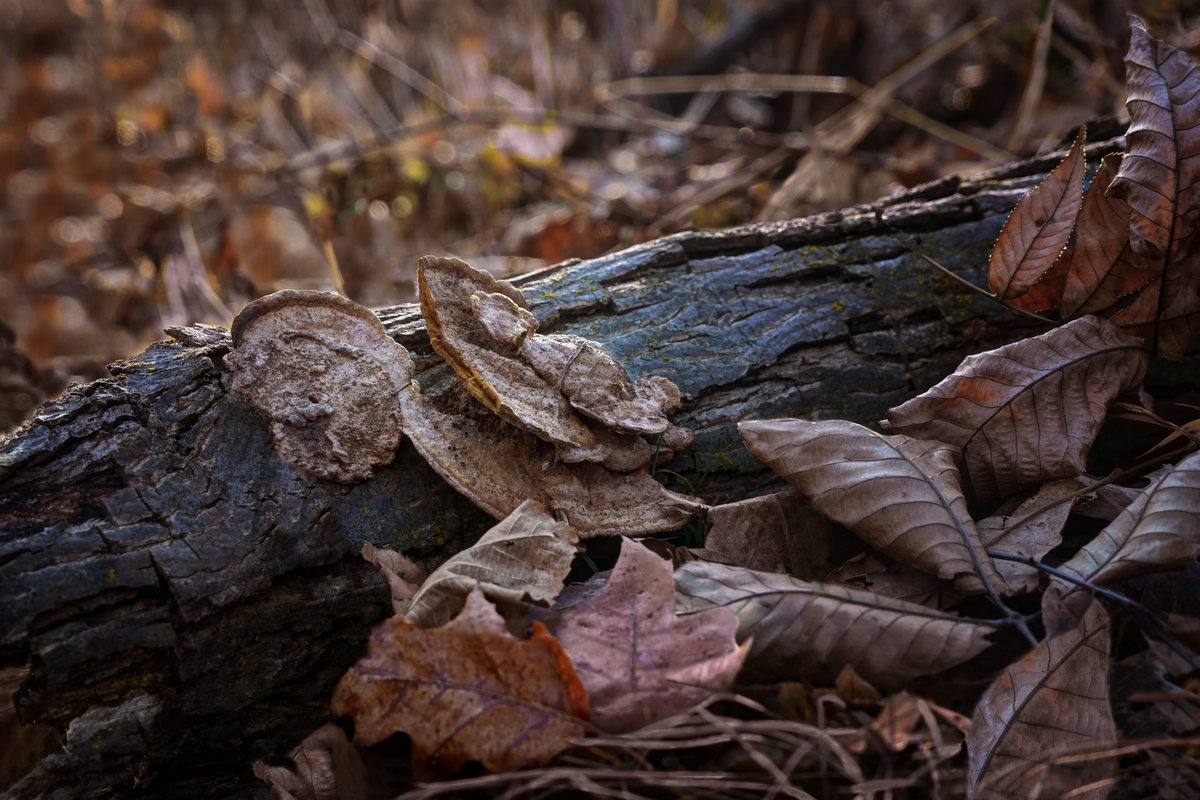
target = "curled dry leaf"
x: 781, y: 532
x: 328, y: 767
x: 1159, y: 179
x: 1033, y: 538
x: 403, y: 576
x: 523, y: 559
x: 328, y: 375
x: 1028, y: 412
x: 1038, y: 228
x: 1103, y: 267
x: 639, y: 662
x: 900, y: 495
x: 463, y: 692
x: 1159, y: 531
x: 1054, y: 699
x: 480, y: 325
x: 498, y: 466
x: 812, y: 630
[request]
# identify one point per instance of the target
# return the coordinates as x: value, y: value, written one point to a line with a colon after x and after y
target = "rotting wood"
x: 186, y: 601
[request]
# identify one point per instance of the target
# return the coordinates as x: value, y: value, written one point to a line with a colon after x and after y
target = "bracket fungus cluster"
x: 524, y: 416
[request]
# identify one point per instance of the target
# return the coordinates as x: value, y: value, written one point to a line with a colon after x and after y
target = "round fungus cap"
x: 328, y: 375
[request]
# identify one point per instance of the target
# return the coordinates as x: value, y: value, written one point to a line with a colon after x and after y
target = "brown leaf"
x: 780, y: 532
x: 894, y: 579
x: 812, y: 630
x: 328, y: 767
x: 1038, y: 228
x: 1158, y: 178
x: 1028, y: 412
x: 639, y: 662
x: 1033, y: 538
x: 1048, y: 291
x: 296, y: 356
x: 499, y: 466
x: 390, y: 565
x: 857, y: 692
x: 1103, y: 266
x: 465, y: 691
x: 1159, y: 531
x: 1052, y: 700
x: 900, y: 495
x: 523, y: 559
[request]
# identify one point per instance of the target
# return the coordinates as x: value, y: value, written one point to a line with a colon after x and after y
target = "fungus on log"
x: 186, y: 599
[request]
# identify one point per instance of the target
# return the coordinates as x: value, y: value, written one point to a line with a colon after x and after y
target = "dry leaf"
x: 523, y: 559
x: 463, y: 692
x: 391, y: 564
x: 1032, y: 539
x: 499, y: 466
x: 812, y: 630
x: 857, y: 692
x: 780, y: 532
x: 326, y: 372
x: 1028, y: 412
x: 1048, y: 291
x: 1158, y: 178
x: 1159, y: 531
x: 1103, y: 266
x: 900, y: 495
x: 639, y: 662
x: 1038, y: 228
x: 1053, y: 700
x: 328, y: 767
x: 894, y: 579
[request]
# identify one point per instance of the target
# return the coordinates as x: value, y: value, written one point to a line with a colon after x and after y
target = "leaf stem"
x: 984, y: 292
x: 1144, y: 615
x: 1037, y: 512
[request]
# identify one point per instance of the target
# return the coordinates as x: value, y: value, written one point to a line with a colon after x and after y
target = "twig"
x: 975, y: 288
x: 1137, y: 610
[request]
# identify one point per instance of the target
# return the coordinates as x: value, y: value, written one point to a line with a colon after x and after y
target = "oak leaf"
x: 1038, y: 228
x: 467, y: 691
x: 523, y: 559
x: 900, y: 495
x: 1054, y: 699
x: 639, y: 662
x: 803, y: 630
x: 1028, y: 412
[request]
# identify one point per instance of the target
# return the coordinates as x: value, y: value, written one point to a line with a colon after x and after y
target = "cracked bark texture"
x: 185, y: 601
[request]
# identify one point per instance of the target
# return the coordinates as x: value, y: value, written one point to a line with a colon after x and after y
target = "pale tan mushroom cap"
x: 498, y: 466
x: 329, y: 376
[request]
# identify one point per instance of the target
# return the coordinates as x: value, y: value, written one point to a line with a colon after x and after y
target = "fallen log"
x: 184, y: 601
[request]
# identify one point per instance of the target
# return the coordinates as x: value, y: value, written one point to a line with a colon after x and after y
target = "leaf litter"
x: 546, y: 433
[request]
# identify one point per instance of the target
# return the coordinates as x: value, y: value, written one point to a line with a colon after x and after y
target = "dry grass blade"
x: 900, y: 495
x: 812, y: 630
x: 1159, y: 531
x: 1028, y: 412
x: 1053, y: 699
x: 1038, y: 228
x: 1035, y: 81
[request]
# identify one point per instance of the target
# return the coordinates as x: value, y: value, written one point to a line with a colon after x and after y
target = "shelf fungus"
x: 564, y: 389
x: 499, y: 466
x: 328, y: 375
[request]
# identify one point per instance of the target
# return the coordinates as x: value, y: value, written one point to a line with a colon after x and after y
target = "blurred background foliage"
x: 162, y: 163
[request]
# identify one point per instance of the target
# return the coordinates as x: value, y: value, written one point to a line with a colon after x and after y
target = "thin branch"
x: 981, y: 291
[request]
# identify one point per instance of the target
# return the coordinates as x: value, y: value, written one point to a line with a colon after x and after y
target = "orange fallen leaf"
x: 467, y: 691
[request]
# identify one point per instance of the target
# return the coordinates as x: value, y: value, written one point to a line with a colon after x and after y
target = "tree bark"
x: 185, y: 601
